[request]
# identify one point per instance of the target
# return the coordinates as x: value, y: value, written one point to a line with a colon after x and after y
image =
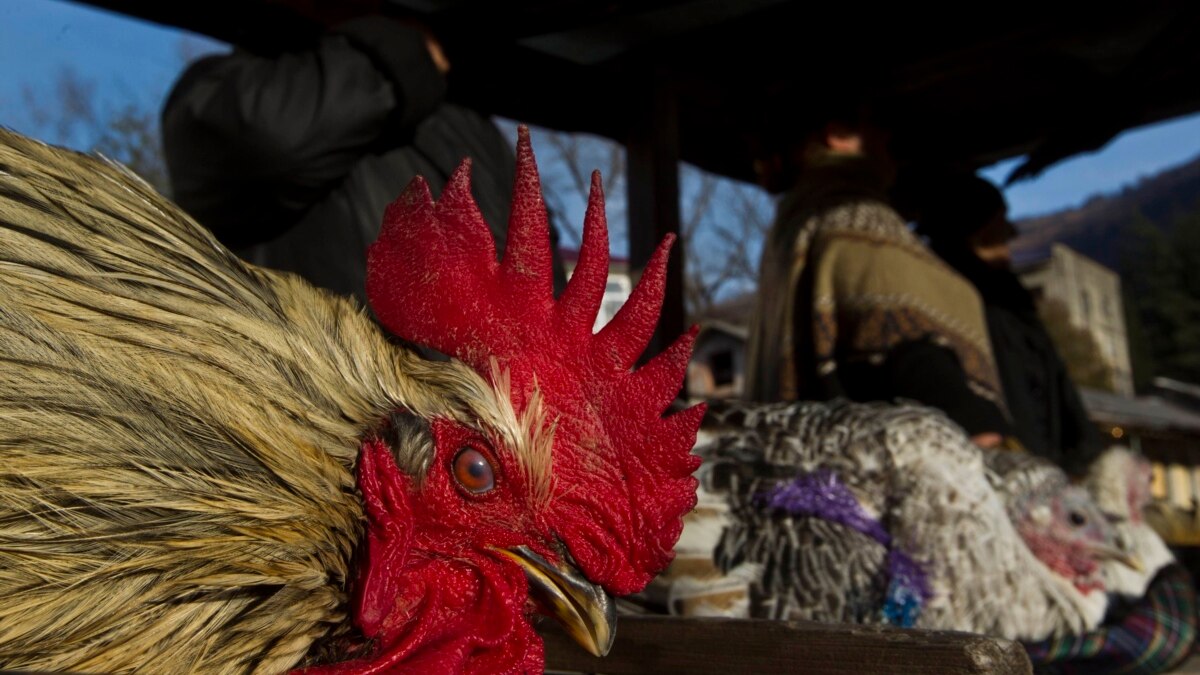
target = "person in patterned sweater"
x: 851, y: 303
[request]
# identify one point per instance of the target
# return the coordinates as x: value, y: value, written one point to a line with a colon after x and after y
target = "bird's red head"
x: 1066, y: 531
x: 1059, y: 522
x: 602, y: 479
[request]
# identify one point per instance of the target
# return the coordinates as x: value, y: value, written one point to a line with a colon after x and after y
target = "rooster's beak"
x: 1109, y: 552
x: 581, y: 607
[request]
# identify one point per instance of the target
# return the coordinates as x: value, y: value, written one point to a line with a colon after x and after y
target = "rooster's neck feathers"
x: 177, y: 425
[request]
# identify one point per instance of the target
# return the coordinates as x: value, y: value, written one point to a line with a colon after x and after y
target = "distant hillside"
x: 1096, y: 228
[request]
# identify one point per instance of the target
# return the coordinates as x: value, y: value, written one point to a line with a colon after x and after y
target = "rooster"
x: 210, y: 467
x: 879, y: 513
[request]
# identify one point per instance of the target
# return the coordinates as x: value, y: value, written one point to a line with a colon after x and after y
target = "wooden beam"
x: 653, y: 193
x: 661, y: 644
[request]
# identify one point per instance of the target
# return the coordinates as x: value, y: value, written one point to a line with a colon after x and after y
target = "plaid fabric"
x: 1154, y: 635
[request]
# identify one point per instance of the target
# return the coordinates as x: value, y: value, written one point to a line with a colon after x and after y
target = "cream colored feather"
x: 177, y: 432
x: 1111, y: 480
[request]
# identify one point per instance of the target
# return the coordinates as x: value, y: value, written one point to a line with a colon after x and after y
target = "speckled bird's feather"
x: 914, y: 473
x: 178, y: 431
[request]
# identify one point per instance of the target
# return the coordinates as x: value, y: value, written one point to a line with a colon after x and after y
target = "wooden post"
x: 653, y: 194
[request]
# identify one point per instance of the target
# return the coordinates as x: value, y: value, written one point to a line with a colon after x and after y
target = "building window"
x: 607, y: 311
x: 616, y: 292
x: 722, y: 368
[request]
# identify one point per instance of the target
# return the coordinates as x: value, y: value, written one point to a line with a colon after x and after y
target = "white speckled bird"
x: 878, y: 513
x: 1119, y: 481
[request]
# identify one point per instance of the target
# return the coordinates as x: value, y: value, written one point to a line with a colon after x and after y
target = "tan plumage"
x: 178, y: 430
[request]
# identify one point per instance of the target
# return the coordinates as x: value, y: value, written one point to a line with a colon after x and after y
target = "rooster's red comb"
x: 622, y: 473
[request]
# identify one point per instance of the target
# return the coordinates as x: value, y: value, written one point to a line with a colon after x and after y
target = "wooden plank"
x: 653, y: 194
x: 660, y: 644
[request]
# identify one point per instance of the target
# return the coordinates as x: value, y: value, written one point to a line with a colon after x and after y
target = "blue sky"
x: 1135, y: 154
x: 128, y: 58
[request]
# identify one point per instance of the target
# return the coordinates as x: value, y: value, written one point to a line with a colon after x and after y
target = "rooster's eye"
x: 473, y: 471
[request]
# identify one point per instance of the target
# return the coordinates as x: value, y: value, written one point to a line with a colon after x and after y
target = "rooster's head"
x: 565, y: 483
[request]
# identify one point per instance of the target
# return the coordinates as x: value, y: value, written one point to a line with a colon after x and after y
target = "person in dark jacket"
x: 291, y: 158
x: 967, y: 225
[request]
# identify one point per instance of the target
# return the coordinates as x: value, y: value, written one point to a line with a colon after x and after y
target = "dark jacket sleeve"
x: 1082, y: 442
x: 926, y: 372
x: 921, y: 371
x: 251, y: 142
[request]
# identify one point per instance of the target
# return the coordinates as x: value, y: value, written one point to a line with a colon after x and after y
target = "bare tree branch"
x: 568, y: 148
x: 722, y: 222
x: 75, y: 116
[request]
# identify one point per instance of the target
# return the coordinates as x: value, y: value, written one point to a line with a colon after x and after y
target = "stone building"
x: 1091, y: 294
